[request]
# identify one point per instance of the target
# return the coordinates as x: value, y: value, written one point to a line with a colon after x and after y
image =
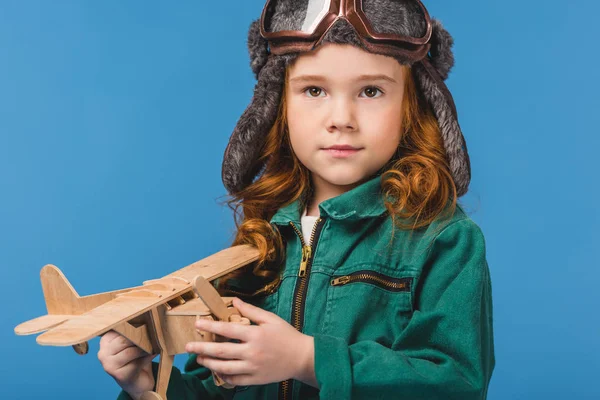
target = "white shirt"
x: 307, y: 222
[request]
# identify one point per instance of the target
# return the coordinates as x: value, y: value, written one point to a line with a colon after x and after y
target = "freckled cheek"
x: 388, y: 124
x: 301, y: 118
x: 304, y: 133
x: 303, y: 144
x: 383, y: 132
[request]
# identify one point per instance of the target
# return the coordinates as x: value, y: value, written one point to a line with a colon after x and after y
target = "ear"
x: 257, y: 48
x: 441, y: 56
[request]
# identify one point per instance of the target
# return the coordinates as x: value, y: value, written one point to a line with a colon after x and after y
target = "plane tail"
x: 61, y: 297
x: 62, y: 302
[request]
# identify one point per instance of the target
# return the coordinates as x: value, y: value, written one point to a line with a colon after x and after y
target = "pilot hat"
x: 241, y: 159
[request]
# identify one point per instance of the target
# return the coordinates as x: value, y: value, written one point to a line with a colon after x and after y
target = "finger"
x: 109, y: 337
x: 238, y: 380
x: 227, y: 367
x: 227, y: 329
x: 119, y: 344
x: 224, y: 350
x: 253, y: 313
x: 117, y: 336
x: 128, y: 355
x: 124, y: 358
x: 150, y: 357
x: 142, y: 359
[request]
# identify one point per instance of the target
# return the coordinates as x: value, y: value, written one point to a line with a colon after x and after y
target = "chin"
x: 343, y: 180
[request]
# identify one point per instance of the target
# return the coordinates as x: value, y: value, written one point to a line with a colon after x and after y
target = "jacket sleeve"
x: 445, y: 352
x: 195, y: 384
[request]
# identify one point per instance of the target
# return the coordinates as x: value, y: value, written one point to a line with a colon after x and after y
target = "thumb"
x: 148, y: 359
x: 252, y: 312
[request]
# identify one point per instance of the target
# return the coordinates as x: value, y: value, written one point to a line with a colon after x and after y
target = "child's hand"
x: 129, y: 365
x: 273, y: 351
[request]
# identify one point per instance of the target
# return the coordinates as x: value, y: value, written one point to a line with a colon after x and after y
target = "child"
x: 372, y: 281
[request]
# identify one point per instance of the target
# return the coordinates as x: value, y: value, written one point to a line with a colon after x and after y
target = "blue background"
x: 113, y: 121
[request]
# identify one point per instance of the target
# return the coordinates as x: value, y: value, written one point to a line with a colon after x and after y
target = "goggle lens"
x: 303, y: 15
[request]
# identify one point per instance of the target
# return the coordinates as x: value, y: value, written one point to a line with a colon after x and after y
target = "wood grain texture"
x: 120, y: 306
x: 157, y: 316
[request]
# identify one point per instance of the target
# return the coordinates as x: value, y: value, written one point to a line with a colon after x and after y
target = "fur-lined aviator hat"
x: 401, y: 29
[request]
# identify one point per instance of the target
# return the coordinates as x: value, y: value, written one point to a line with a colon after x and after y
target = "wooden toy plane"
x: 158, y: 316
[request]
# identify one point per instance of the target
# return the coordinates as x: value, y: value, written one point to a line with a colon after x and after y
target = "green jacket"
x: 408, y: 318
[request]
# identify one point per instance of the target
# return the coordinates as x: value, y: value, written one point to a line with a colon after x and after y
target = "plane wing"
x: 103, y: 318
x: 219, y: 264
x: 176, y: 287
x: 41, y: 324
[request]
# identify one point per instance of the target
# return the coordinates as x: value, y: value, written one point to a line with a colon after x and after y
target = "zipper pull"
x: 306, y: 251
x: 342, y: 280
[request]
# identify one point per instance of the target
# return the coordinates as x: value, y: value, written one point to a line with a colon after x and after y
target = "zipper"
x: 306, y: 253
x: 285, y: 387
x: 375, y: 278
x: 267, y: 289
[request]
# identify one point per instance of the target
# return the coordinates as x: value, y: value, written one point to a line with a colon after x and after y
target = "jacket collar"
x: 363, y: 201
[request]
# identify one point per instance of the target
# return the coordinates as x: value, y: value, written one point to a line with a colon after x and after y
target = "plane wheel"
x: 150, y: 396
x: 81, y: 348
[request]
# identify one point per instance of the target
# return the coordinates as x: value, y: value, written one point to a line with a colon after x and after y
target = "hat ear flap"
x: 240, y: 161
x: 442, y: 105
x: 441, y: 56
x: 257, y: 48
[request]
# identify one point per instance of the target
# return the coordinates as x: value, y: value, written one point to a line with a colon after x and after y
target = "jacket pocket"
x: 267, y: 297
x: 367, y: 304
x: 239, y: 389
x: 375, y: 278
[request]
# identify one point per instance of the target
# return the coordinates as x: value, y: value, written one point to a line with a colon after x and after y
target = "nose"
x: 341, y: 116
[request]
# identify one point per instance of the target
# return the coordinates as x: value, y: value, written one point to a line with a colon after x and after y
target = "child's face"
x: 340, y: 108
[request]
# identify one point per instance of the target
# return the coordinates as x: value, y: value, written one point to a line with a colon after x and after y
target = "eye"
x: 371, y: 91
x: 313, y: 90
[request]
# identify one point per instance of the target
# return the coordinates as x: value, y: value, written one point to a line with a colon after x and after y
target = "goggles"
x: 320, y: 15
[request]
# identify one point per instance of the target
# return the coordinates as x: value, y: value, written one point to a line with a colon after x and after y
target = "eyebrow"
x: 319, y: 78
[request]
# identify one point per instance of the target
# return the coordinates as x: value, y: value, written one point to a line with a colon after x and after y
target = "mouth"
x: 341, y: 151
x: 341, y: 147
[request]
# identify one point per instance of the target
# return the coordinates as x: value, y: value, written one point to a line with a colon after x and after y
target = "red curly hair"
x: 416, y: 182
